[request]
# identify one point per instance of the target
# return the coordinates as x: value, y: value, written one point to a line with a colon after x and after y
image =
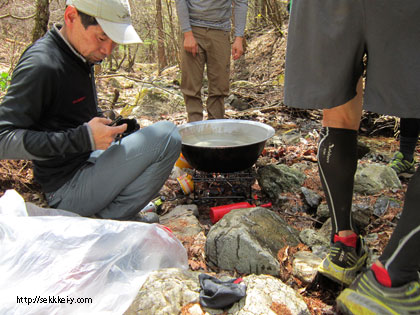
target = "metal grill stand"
x: 213, y: 186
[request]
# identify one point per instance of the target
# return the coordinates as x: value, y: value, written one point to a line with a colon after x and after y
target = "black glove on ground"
x: 220, y: 294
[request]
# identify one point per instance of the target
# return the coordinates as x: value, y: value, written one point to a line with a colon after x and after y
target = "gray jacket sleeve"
x: 21, y: 134
x: 183, y: 15
x: 240, y: 10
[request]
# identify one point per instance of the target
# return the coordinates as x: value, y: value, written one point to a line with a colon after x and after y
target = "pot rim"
x: 270, y: 130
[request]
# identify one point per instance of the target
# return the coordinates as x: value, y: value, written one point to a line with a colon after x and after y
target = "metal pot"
x: 223, y: 145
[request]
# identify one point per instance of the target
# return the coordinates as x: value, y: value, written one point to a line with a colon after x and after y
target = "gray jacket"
x: 212, y: 14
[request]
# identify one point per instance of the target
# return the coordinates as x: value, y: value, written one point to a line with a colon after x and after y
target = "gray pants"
x: 118, y: 182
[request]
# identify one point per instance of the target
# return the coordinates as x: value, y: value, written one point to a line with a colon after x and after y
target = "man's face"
x: 92, y: 43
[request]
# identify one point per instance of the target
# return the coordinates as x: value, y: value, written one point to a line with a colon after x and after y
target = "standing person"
x: 50, y: 115
x: 327, y: 42
x: 403, y: 160
x: 206, y: 41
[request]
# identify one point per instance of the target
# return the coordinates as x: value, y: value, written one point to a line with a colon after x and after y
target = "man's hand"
x: 237, y: 48
x: 190, y: 44
x: 103, y: 135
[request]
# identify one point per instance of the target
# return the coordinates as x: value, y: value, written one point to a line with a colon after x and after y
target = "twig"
x: 23, y: 167
x: 299, y: 216
x: 17, y: 17
x: 136, y: 80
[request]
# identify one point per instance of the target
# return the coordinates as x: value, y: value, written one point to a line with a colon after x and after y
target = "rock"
x: 361, y: 218
x: 247, y: 240
x: 361, y: 215
x: 322, y: 211
x: 305, y: 266
x: 325, y: 229
x: 382, y: 204
x: 194, y: 309
x: 372, y: 178
x: 312, y: 238
x: 291, y: 137
x: 320, y: 250
x: 303, y: 166
x: 268, y: 295
x: 263, y: 161
x: 312, y: 198
x: 239, y: 104
x: 182, y: 220
x: 166, y: 291
x: 170, y: 291
x: 154, y: 101
x: 274, y: 141
x: 276, y: 179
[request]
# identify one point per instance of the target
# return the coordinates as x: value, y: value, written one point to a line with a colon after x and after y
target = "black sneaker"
x: 344, y: 262
x: 367, y: 296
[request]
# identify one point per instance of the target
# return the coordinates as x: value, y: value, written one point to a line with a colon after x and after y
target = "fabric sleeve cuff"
x: 92, y: 141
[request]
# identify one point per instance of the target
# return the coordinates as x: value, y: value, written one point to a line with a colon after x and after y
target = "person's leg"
x: 400, y: 257
x: 337, y: 162
x: 125, y: 177
x: 218, y: 69
x: 391, y: 285
x: 409, y: 134
x: 192, y: 70
x: 337, y: 154
x: 403, y: 160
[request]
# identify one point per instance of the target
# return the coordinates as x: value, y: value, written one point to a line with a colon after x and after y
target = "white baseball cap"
x: 114, y: 16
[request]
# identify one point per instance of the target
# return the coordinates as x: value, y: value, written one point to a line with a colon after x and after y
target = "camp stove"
x: 212, y: 186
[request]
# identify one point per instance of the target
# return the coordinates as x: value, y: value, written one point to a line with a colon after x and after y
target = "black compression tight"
x: 409, y: 134
x: 401, y: 255
x: 337, y: 162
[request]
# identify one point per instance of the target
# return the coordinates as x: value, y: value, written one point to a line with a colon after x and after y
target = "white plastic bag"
x: 74, y: 265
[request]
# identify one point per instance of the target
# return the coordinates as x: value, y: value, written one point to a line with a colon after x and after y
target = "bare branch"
x: 17, y: 17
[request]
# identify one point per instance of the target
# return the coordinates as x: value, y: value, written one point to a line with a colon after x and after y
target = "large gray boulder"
x: 247, y: 240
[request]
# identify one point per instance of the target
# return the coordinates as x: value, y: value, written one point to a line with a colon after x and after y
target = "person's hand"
x: 190, y: 44
x: 103, y: 135
x: 237, y: 48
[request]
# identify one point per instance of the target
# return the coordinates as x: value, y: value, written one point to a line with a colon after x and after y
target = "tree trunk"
x: 174, y: 38
x: 41, y: 19
x: 161, y: 37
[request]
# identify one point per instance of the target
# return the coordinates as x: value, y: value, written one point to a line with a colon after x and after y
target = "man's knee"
x: 169, y: 130
x: 345, y: 117
x: 348, y: 115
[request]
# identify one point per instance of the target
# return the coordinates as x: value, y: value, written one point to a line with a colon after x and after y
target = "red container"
x: 216, y: 213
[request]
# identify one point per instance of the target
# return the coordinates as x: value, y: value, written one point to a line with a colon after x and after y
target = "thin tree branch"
x: 17, y: 17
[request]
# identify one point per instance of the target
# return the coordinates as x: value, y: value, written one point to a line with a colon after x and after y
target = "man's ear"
x: 70, y: 15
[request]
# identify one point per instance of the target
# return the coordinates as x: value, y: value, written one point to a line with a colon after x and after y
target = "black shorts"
x: 327, y: 40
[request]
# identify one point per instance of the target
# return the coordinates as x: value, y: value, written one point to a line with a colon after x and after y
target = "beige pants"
x: 213, y: 51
